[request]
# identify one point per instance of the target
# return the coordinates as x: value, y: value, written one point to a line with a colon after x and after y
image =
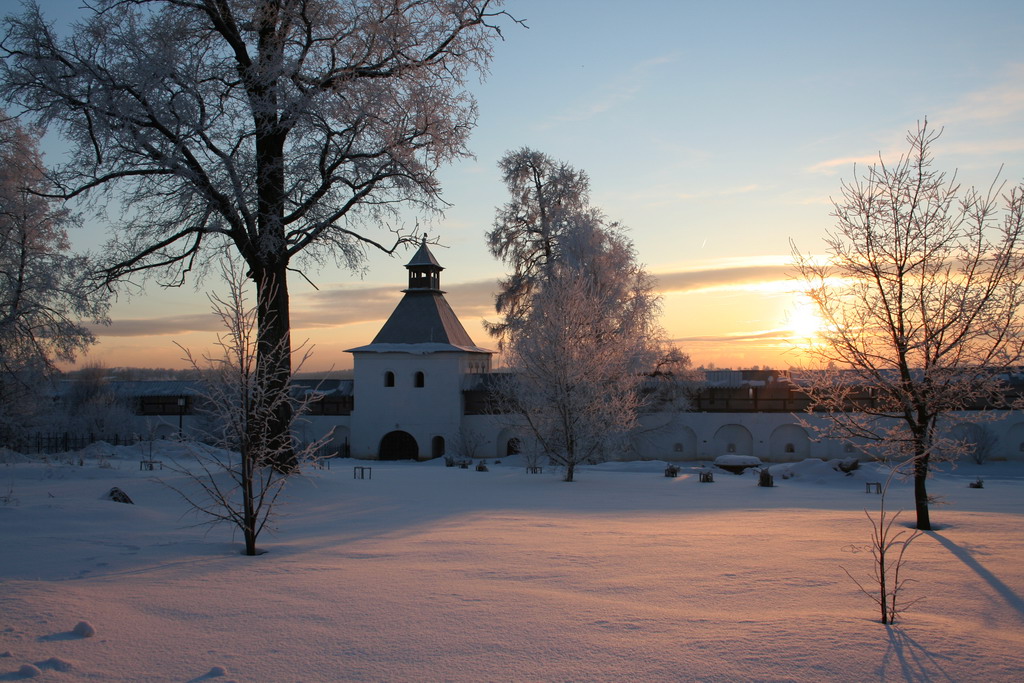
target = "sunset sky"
x: 716, y: 132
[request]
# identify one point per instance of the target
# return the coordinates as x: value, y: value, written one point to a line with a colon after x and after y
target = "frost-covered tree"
x: 579, y: 355
x: 283, y: 128
x: 921, y: 295
x: 548, y: 198
x: 235, y: 479
x: 92, y: 406
x: 45, y: 299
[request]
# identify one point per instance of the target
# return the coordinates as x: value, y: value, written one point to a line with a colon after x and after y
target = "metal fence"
x: 38, y: 444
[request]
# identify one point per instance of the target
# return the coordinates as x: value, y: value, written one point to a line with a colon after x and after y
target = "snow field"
x: 427, y: 573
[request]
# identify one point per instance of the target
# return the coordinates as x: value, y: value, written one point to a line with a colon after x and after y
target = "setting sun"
x: 804, y: 322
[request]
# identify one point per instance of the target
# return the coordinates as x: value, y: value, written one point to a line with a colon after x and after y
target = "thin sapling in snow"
x: 888, y: 549
x: 234, y: 478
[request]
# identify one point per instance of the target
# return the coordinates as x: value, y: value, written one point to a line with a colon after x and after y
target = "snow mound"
x: 811, y: 468
x: 29, y: 671
x: 9, y: 457
x: 97, y: 449
x: 733, y: 460
x: 84, y: 629
x: 56, y: 664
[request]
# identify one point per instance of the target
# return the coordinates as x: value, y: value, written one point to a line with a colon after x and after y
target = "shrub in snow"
x: 846, y: 465
x: 84, y: 629
x: 118, y: 496
x: 216, y: 672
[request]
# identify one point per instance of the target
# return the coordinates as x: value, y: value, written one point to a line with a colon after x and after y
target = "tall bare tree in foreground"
x: 279, y: 127
x: 920, y: 294
x: 579, y: 328
x: 234, y: 479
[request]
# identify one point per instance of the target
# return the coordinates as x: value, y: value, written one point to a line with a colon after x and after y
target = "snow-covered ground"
x: 428, y: 573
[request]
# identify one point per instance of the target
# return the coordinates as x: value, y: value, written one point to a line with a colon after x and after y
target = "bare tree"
x: 921, y: 296
x: 888, y: 550
x: 241, y: 391
x: 92, y: 405
x: 578, y: 358
x: 467, y: 445
x: 978, y: 441
x: 279, y: 127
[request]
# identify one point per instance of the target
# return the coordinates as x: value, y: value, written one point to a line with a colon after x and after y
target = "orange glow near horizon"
x: 761, y: 323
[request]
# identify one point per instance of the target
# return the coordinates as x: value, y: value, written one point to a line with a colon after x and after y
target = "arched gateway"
x: 398, y: 445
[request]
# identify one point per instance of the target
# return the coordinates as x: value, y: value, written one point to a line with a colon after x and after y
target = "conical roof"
x: 423, y: 257
x: 423, y: 321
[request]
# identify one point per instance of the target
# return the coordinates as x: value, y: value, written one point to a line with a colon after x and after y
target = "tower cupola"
x: 424, y: 270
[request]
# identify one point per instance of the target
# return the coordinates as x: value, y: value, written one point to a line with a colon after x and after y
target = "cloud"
x: 352, y: 305
x: 999, y: 103
x: 148, y: 327
x: 348, y: 305
x: 732, y: 338
x: 831, y: 166
x: 1002, y: 101
x: 617, y: 91
x: 723, y: 277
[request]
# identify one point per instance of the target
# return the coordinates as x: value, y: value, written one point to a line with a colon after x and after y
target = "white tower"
x: 408, y: 380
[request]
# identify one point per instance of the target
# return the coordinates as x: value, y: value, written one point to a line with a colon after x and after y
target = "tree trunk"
x: 920, y: 491
x: 274, y: 357
x: 248, y: 506
x: 274, y: 350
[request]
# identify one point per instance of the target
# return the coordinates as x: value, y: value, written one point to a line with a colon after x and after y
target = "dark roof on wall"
x: 423, y: 318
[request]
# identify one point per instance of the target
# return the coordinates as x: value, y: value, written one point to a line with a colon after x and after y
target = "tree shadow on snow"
x: 63, y: 635
x: 1013, y: 600
x: 915, y: 662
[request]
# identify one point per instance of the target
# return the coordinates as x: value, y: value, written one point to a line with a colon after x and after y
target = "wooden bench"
x: 150, y: 465
x: 873, y: 485
x: 534, y: 469
x: 359, y: 472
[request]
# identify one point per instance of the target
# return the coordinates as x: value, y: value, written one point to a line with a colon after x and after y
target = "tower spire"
x: 424, y: 270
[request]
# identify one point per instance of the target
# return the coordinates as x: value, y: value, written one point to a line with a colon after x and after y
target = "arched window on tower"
x: 419, y: 380
x: 389, y: 379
